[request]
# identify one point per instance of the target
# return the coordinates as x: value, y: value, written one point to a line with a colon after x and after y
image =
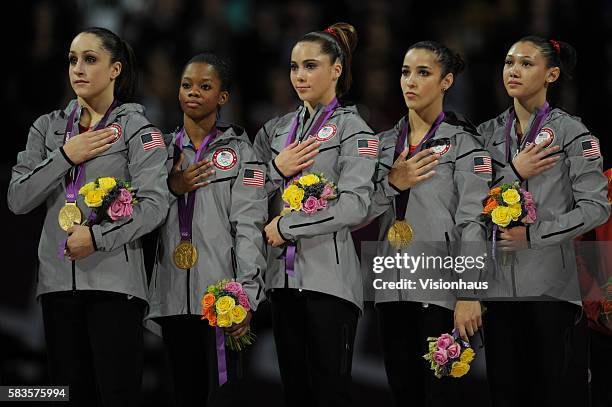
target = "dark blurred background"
x: 257, y: 37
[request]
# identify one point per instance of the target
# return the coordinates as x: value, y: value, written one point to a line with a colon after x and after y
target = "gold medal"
x: 185, y: 255
x: 69, y: 215
x: 400, y: 234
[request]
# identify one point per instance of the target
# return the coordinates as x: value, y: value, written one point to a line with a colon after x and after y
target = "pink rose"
x: 119, y: 210
x: 125, y: 196
x: 321, y: 203
x: 444, y: 341
x: 244, y: 301
x: 440, y: 357
x: 328, y: 191
x: 310, y: 206
x: 233, y: 287
x: 531, y: 215
x: 454, y: 350
x: 527, y: 197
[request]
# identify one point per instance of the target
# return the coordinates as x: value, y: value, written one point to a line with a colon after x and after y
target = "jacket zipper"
x: 234, y: 264
x: 336, y: 248
x: 156, y: 262
x: 562, y: 256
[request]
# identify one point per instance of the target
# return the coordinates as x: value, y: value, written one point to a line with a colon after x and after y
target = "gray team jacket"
x: 325, y: 259
x: 117, y: 265
x: 227, y: 224
x: 443, y: 211
x: 570, y: 198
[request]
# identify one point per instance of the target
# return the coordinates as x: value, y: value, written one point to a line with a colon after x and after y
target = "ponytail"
x: 127, y: 82
x: 339, y: 42
x: 556, y: 53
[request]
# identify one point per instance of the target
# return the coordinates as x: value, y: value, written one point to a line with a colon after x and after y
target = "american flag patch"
x: 483, y: 165
x: 152, y: 140
x: 253, y: 178
x: 367, y: 147
x: 590, y: 148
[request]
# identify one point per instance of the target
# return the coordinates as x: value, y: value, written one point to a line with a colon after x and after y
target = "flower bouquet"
x: 224, y: 304
x: 308, y: 193
x: 109, y: 198
x: 509, y: 205
x: 449, y: 355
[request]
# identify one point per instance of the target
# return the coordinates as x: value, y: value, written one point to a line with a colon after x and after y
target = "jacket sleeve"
x: 37, y: 171
x: 589, y: 186
x: 354, y: 188
x: 263, y: 150
x: 148, y: 174
x: 248, y: 214
x: 472, y: 187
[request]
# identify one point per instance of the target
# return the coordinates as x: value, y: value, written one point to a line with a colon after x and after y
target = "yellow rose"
x: 224, y: 305
x: 106, y: 183
x: 238, y: 314
x: 467, y: 356
x: 85, y: 189
x: 296, y: 200
x: 309, y: 179
x: 515, y: 211
x: 511, y: 196
x: 501, y: 216
x: 94, y: 198
x: 290, y: 192
x: 459, y: 369
x: 293, y: 195
x: 224, y: 320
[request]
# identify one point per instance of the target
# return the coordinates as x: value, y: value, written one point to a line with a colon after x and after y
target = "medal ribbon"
x: 401, y: 201
x: 289, y: 255
x: 186, y: 207
x: 536, y: 126
x: 75, y: 177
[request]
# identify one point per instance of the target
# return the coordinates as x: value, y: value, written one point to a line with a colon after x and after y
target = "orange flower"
x: 490, y: 205
x: 211, y: 316
x: 208, y: 301
x: 495, y: 191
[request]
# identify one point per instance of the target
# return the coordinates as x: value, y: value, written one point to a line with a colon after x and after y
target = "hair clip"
x: 556, y: 46
x: 330, y: 32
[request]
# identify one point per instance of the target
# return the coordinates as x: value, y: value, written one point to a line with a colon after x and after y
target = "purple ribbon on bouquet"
x: 289, y: 255
x: 494, y: 248
x: 221, y: 362
x: 455, y: 334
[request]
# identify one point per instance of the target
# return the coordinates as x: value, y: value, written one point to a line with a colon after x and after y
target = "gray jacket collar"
x: 119, y: 110
x: 226, y: 134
